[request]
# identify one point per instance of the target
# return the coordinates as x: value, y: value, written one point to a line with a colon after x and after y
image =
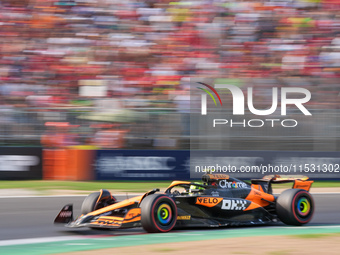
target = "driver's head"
x: 196, y: 187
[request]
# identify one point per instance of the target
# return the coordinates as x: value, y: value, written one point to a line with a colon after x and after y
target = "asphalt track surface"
x: 32, y: 217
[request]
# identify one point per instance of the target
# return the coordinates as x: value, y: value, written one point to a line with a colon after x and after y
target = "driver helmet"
x: 195, y: 188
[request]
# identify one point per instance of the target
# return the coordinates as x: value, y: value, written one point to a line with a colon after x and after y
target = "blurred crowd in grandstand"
x: 115, y: 74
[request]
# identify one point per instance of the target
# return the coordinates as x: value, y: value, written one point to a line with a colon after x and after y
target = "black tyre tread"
x: 284, y: 207
x: 146, y: 218
x: 89, y: 203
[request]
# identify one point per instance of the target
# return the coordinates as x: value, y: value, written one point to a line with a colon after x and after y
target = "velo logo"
x: 238, y: 99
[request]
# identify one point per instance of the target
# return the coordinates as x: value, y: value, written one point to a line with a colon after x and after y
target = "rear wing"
x: 265, y: 184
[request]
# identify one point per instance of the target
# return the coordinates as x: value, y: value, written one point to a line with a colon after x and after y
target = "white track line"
x: 325, y: 193
x: 77, y: 238
x: 47, y: 196
x: 317, y: 193
x: 39, y: 240
x: 309, y: 227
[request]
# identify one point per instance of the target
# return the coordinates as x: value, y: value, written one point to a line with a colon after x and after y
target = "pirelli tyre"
x: 97, y: 200
x: 295, y: 207
x: 89, y: 203
x: 158, y: 213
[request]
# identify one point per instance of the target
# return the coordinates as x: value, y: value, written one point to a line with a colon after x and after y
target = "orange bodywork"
x: 252, y: 206
x: 259, y: 197
x: 174, y: 183
x: 218, y: 176
x: 301, y: 184
x: 133, y: 215
x: 208, y: 201
x: 257, y: 187
x: 118, y: 205
x: 100, y: 195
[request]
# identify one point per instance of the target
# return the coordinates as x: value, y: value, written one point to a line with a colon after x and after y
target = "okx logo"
x: 301, y: 96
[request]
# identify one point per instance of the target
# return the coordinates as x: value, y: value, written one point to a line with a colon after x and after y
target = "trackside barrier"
x: 82, y: 164
x: 142, y: 164
x: 68, y: 164
x: 20, y: 163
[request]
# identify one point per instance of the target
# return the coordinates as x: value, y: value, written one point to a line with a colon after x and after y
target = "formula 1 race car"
x: 218, y: 201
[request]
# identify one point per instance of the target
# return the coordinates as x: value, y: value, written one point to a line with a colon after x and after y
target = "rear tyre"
x: 158, y: 213
x: 295, y: 207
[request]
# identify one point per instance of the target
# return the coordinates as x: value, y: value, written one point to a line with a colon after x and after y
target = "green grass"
x: 163, y: 250
x: 316, y: 184
x: 313, y: 236
x: 326, y: 184
x: 137, y: 186
x: 125, y: 186
x: 283, y: 252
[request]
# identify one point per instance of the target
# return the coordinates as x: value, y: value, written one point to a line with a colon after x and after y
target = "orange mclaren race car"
x: 219, y: 200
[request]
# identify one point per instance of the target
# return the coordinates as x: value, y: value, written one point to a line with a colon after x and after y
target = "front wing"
x: 131, y: 219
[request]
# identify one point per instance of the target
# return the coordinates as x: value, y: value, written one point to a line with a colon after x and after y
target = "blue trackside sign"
x: 142, y: 165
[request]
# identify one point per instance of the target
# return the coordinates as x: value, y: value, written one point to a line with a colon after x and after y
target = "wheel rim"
x: 303, y: 207
x: 164, y: 214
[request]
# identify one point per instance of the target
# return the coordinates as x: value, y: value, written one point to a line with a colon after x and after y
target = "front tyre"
x: 97, y: 200
x: 90, y: 202
x: 295, y: 207
x: 158, y: 213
